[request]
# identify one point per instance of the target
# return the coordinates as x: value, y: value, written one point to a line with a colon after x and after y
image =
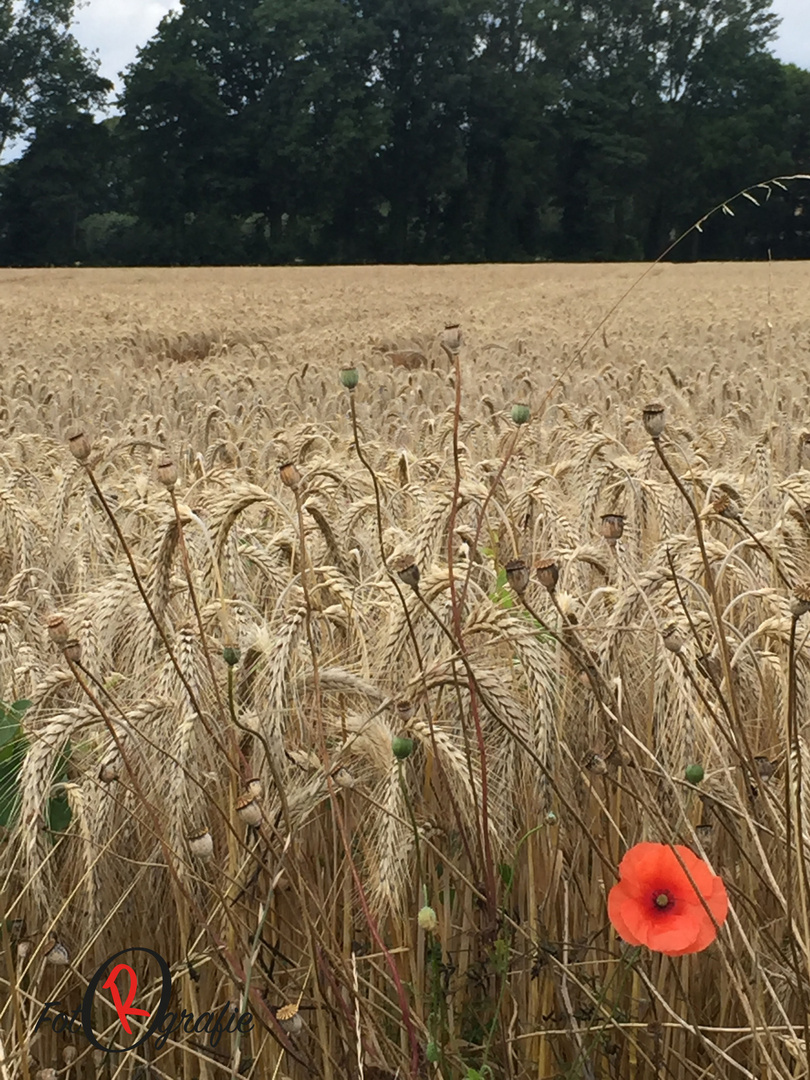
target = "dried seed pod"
x: 343, y: 778
x: 255, y: 787
x: 724, y: 507
x: 248, y: 809
x: 349, y: 377
x: 16, y: 928
x: 452, y: 337
x: 58, y: 630
x: 289, y: 475
x: 201, y: 844
x: 46, y: 1074
x: 24, y: 948
x: 289, y: 1018
x: 654, y: 419
x: 521, y: 414
x: 618, y: 756
x: 407, y: 570
x: 69, y: 1055
x: 548, y: 573
x: 167, y: 472
x: 612, y: 527
x: 108, y: 773
x: 673, y: 638
x: 79, y: 446
x: 57, y: 953
x: 705, y: 834
x: 518, y: 575
x: 710, y: 667
x: 765, y: 767
x: 72, y: 651
x: 405, y: 710
x: 800, y: 604
x: 596, y: 763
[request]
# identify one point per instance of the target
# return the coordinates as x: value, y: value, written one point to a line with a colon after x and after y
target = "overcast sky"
x: 117, y: 27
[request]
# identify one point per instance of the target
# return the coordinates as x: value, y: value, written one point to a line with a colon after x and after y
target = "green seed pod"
x: 427, y: 918
x: 230, y: 654
x: 432, y: 1051
x: 402, y: 747
x: 521, y: 414
x: 694, y: 773
x: 349, y: 377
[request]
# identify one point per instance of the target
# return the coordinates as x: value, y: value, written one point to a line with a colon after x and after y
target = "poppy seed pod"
x: 248, y: 809
x: 800, y: 604
x: 58, y: 629
x: 201, y: 844
x: 405, y: 709
x: 765, y: 768
x: 108, y: 772
x: 57, y: 953
x: 79, y: 446
x: 452, y: 337
x: 521, y: 414
x: 289, y: 475
x: 654, y: 419
x: 725, y: 508
x: 46, y: 1074
x: 343, y: 778
x: 673, y: 638
x: 548, y: 573
x: 517, y: 574
x: 612, y: 527
x: 69, y: 1055
x: 709, y: 667
x: 401, y: 747
x: 72, y: 650
x: 24, y: 950
x: 406, y: 569
x: 694, y: 773
x: 167, y: 472
x: 596, y: 763
x: 289, y: 1018
x: 230, y: 654
x: 254, y: 787
x: 349, y: 377
x: 427, y: 919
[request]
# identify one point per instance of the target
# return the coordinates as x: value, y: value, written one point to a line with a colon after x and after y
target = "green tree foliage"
x: 44, y: 73
x: 269, y: 131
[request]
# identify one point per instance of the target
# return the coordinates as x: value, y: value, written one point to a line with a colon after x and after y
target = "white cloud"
x: 793, y: 43
x: 115, y: 29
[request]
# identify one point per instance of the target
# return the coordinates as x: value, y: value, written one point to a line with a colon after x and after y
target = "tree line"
x: 351, y: 131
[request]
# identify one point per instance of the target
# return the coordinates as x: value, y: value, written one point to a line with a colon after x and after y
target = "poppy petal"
x: 617, y: 903
x: 646, y: 867
x: 702, y: 876
x: 675, y: 934
x: 718, y: 901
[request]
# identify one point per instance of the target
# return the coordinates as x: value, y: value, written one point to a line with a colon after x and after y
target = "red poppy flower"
x: 655, y: 904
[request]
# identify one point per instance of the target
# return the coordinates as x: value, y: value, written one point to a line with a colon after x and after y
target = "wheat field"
x: 251, y: 737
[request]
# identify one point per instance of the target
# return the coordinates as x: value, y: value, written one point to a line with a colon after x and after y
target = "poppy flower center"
x: 662, y: 900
